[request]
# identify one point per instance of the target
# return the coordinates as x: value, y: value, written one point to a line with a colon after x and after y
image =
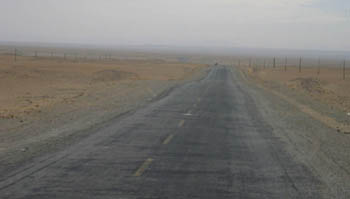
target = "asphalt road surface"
x: 205, y: 139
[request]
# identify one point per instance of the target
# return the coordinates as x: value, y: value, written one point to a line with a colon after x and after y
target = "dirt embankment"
x: 44, y: 101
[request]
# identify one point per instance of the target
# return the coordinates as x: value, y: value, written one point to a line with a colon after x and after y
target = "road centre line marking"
x: 181, y: 123
x: 143, y: 167
x: 188, y: 113
x: 168, y: 139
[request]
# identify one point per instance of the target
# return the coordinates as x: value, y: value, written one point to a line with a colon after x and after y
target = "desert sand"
x: 322, y: 93
x: 326, y: 86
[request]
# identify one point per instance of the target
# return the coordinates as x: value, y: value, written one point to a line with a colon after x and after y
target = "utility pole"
x: 300, y: 65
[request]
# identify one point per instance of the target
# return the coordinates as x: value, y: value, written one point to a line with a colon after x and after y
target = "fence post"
x: 344, y: 69
x: 285, y: 64
x: 264, y: 63
x: 250, y: 62
x: 274, y: 62
x: 300, y: 65
x: 319, y: 66
x: 239, y: 63
x: 15, y: 55
x: 36, y: 54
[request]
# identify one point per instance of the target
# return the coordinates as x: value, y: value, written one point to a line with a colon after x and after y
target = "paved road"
x: 205, y: 139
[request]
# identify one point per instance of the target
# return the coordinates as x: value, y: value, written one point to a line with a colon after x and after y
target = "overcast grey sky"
x: 299, y: 24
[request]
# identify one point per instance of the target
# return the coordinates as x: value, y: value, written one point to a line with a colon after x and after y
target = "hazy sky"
x: 304, y: 24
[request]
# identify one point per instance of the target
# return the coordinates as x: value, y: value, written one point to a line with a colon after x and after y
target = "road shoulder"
x: 321, y: 148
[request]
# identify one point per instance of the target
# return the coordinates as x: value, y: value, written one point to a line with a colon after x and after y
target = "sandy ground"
x: 43, y: 101
x: 326, y: 92
x: 328, y: 86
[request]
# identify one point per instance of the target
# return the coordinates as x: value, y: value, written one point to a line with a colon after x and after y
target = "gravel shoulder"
x: 324, y: 150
